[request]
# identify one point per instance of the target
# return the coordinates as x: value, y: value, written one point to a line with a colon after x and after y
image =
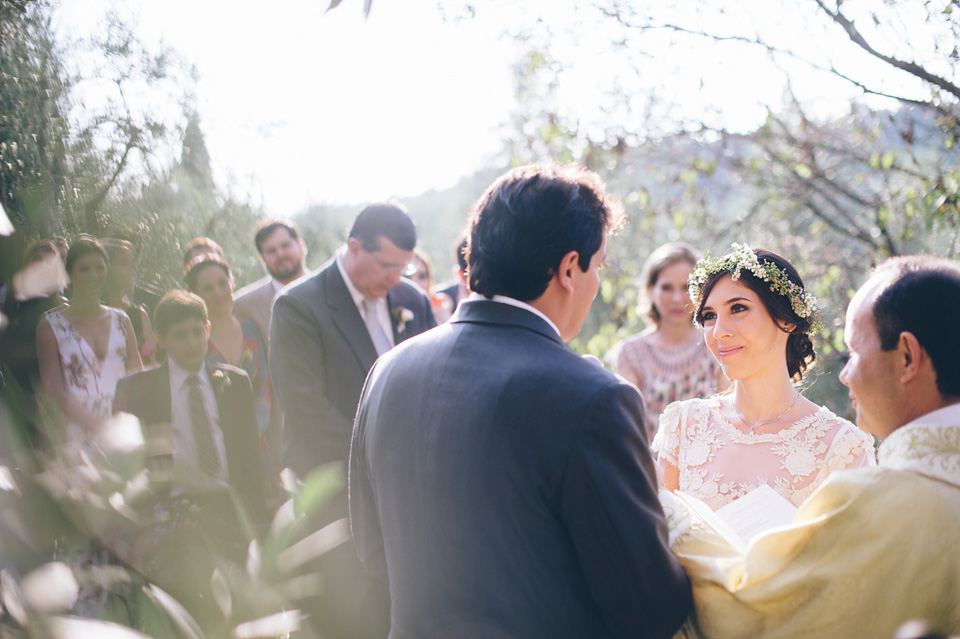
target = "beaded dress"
x: 665, y: 375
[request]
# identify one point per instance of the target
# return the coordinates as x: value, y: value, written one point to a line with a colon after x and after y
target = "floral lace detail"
x: 717, y: 462
x: 927, y: 449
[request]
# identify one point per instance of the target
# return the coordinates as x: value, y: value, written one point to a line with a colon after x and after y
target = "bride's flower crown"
x: 741, y: 258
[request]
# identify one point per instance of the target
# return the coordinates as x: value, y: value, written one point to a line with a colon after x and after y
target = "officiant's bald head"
x: 901, y: 333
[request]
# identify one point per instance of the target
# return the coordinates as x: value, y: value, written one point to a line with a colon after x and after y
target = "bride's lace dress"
x: 717, y: 462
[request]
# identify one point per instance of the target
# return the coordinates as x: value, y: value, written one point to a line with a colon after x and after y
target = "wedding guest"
x: 34, y: 289
x: 327, y: 331
x: 232, y: 340
x: 118, y: 293
x: 85, y: 347
x: 440, y: 303
x: 500, y: 483
x: 668, y: 361
x: 200, y: 246
x: 143, y: 293
x: 874, y: 547
x: 208, y: 408
x: 283, y: 253
x: 757, y: 318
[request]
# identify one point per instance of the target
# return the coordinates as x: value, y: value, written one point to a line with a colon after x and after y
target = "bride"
x: 756, y: 318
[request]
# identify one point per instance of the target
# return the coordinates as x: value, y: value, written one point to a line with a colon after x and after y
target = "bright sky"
x: 300, y: 106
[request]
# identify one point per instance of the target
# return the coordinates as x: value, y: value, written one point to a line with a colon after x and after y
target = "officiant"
x: 874, y: 547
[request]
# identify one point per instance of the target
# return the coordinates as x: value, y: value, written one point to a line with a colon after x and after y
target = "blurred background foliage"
x: 834, y: 194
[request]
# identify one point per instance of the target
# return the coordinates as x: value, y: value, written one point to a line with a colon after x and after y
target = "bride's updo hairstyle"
x: 800, y: 354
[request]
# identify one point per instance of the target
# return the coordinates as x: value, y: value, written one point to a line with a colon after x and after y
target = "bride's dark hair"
x: 800, y: 354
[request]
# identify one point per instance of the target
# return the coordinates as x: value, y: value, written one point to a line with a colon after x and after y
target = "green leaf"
x: 887, y: 160
x: 319, y: 486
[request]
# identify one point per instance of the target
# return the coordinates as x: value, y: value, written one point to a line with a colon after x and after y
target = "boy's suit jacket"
x: 147, y: 396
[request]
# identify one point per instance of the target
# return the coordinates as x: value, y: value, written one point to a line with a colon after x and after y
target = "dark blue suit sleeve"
x: 610, y: 508
x: 364, y: 521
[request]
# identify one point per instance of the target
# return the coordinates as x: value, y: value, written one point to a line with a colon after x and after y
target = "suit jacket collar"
x: 490, y: 312
x: 159, y: 397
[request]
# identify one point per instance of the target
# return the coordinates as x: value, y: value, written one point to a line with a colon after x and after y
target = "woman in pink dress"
x: 756, y: 318
x: 668, y: 360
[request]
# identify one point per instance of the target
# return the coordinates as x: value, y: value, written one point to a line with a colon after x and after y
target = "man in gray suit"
x: 326, y: 333
x: 500, y: 483
x: 284, y: 255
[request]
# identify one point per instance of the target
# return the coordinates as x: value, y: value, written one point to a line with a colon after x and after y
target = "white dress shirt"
x: 184, y: 450
x: 378, y: 305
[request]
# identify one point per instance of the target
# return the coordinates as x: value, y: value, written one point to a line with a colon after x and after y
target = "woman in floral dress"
x: 84, y: 347
x: 756, y: 318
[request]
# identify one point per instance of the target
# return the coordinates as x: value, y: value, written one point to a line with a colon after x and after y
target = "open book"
x: 744, y: 519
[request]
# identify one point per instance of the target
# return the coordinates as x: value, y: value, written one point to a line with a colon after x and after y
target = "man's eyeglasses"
x: 404, y: 269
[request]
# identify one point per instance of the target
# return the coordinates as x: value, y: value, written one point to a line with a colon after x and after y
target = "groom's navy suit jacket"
x: 320, y: 354
x: 503, y: 487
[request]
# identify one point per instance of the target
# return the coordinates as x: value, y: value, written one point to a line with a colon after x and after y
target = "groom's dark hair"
x: 525, y: 223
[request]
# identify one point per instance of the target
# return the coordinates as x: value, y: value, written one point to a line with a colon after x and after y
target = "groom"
x: 500, y: 483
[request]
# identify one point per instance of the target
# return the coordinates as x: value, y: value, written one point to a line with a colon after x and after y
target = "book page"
x: 757, y: 512
x: 704, y: 515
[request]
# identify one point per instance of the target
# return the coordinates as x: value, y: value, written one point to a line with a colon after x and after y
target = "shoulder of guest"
x: 310, y: 283
x: 56, y: 311
x: 638, y: 341
x: 255, y: 287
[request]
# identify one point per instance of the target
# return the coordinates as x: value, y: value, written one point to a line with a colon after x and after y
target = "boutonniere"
x: 221, y: 381
x: 401, y: 316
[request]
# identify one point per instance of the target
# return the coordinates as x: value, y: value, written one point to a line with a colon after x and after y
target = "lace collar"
x: 928, y: 446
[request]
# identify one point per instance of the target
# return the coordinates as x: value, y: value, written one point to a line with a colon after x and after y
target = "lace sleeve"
x: 667, y: 442
x: 851, y: 448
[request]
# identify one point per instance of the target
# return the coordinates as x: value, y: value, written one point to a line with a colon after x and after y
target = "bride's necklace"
x: 768, y: 421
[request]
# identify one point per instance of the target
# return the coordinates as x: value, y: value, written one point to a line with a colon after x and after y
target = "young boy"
x: 208, y: 407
